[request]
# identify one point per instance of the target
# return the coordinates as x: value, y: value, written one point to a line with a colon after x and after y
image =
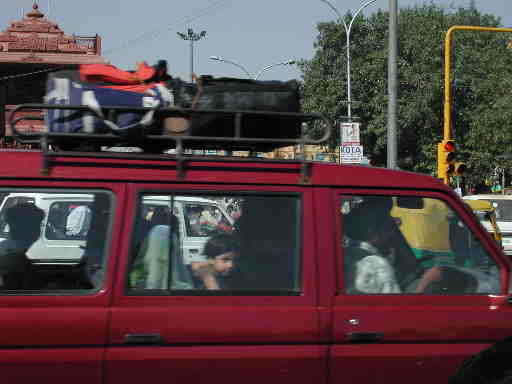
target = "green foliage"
x: 481, y: 69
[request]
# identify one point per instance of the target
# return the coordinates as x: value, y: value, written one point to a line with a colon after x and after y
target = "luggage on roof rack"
x: 213, y: 113
x: 231, y: 94
x: 95, y: 85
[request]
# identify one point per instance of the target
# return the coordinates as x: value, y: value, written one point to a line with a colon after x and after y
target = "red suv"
x: 310, y: 280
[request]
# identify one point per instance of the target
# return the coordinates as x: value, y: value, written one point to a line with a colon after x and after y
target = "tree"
x: 481, y: 67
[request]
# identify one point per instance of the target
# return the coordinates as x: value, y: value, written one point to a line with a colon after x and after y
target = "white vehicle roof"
x: 87, y: 196
x: 52, y: 196
x: 503, y: 206
x: 488, y: 196
x: 188, y: 199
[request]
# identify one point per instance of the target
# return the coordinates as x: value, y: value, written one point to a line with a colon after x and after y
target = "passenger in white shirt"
x: 78, y: 221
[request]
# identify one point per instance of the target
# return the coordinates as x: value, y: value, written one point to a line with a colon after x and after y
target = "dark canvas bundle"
x: 97, y: 85
x: 244, y: 95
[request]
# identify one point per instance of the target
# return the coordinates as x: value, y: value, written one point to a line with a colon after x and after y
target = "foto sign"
x: 349, y: 133
x: 351, y: 154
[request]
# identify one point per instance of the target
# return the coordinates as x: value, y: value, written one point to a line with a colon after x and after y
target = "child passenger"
x: 221, y: 252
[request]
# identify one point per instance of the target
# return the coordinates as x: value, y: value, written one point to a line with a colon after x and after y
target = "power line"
x: 215, y: 6
x: 26, y: 74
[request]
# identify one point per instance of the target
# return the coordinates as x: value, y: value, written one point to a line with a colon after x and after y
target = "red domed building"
x: 29, y: 49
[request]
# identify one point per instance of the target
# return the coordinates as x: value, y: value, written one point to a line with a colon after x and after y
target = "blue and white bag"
x: 65, y: 91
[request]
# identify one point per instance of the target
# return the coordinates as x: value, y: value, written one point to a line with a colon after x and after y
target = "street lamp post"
x: 192, y: 37
x: 347, y: 49
x: 223, y: 60
x: 287, y: 62
x: 347, y: 34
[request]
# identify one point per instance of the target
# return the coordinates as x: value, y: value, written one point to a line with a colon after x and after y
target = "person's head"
x: 161, y: 216
x: 370, y: 221
x: 24, y: 221
x: 380, y: 232
x: 221, y: 251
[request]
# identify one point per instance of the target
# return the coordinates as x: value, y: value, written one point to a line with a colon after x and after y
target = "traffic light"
x: 445, y: 158
x: 460, y: 168
x: 446, y: 161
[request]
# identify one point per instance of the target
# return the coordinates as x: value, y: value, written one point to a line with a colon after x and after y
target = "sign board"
x: 351, y: 154
x: 349, y: 133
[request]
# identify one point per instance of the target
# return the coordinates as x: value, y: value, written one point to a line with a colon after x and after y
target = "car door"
x: 434, y: 306
x: 261, y: 325
x: 54, y: 323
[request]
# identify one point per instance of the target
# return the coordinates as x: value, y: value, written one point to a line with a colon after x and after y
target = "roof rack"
x: 238, y: 138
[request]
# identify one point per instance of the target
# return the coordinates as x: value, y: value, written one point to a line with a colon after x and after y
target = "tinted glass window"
x: 9, y: 202
x: 225, y: 244
x: 503, y: 209
x: 424, y: 248
x: 482, y: 216
x: 53, y: 241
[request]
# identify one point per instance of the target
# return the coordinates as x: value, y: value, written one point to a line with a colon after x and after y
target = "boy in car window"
x: 221, y: 252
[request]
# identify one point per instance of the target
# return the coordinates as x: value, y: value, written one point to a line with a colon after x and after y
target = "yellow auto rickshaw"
x: 426, y: 230
x: 486, y: 213
x: 429, y: 228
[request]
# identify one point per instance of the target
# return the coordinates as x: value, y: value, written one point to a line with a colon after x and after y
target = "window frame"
x: 64, y: 188
x: 206, y: 194
x: 456, y: 205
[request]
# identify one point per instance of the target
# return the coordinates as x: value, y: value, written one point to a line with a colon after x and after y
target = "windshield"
x: 408, y: 236
x: 503, y: 209
x: 482, y: 215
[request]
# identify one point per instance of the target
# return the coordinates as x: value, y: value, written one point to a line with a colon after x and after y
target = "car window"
x: 393, y: 245
x: 503, y: 209
x: 254, y: 247
x: 202, y: 220
x: 53, y: 240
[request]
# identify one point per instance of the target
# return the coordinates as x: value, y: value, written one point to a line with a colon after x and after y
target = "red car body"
x: 318, y: 335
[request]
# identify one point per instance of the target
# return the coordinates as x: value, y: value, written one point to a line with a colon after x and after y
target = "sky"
x: 252, y: 34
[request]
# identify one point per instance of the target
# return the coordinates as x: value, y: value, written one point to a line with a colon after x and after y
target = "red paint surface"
x: 248, y: 339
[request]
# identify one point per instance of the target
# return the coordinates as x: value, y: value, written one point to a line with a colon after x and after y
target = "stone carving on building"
x: 34, y: 33
x: 29, y: 49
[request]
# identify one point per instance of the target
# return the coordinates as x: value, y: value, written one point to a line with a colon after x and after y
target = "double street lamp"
x: 347, y: 34
x: 192, y: 37
x: 223, y: 60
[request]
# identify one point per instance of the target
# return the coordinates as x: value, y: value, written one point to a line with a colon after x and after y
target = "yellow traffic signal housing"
x: 445, y: 159
x: 446, y: 164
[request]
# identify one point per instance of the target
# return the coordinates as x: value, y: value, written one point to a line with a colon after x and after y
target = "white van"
x: 198, y: 218
x: 59, y: 240
x: 66, y: 223
x: 503, y: 206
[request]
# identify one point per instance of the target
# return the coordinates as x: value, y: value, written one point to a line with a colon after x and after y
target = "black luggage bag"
x: 232, y: 94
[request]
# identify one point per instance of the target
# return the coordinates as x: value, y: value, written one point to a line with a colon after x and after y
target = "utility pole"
x: 192, y: 37
x: 392, y: 86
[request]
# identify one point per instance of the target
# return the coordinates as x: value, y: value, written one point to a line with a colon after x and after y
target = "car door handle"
x: 144, y: 338
x: 365, y: 337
